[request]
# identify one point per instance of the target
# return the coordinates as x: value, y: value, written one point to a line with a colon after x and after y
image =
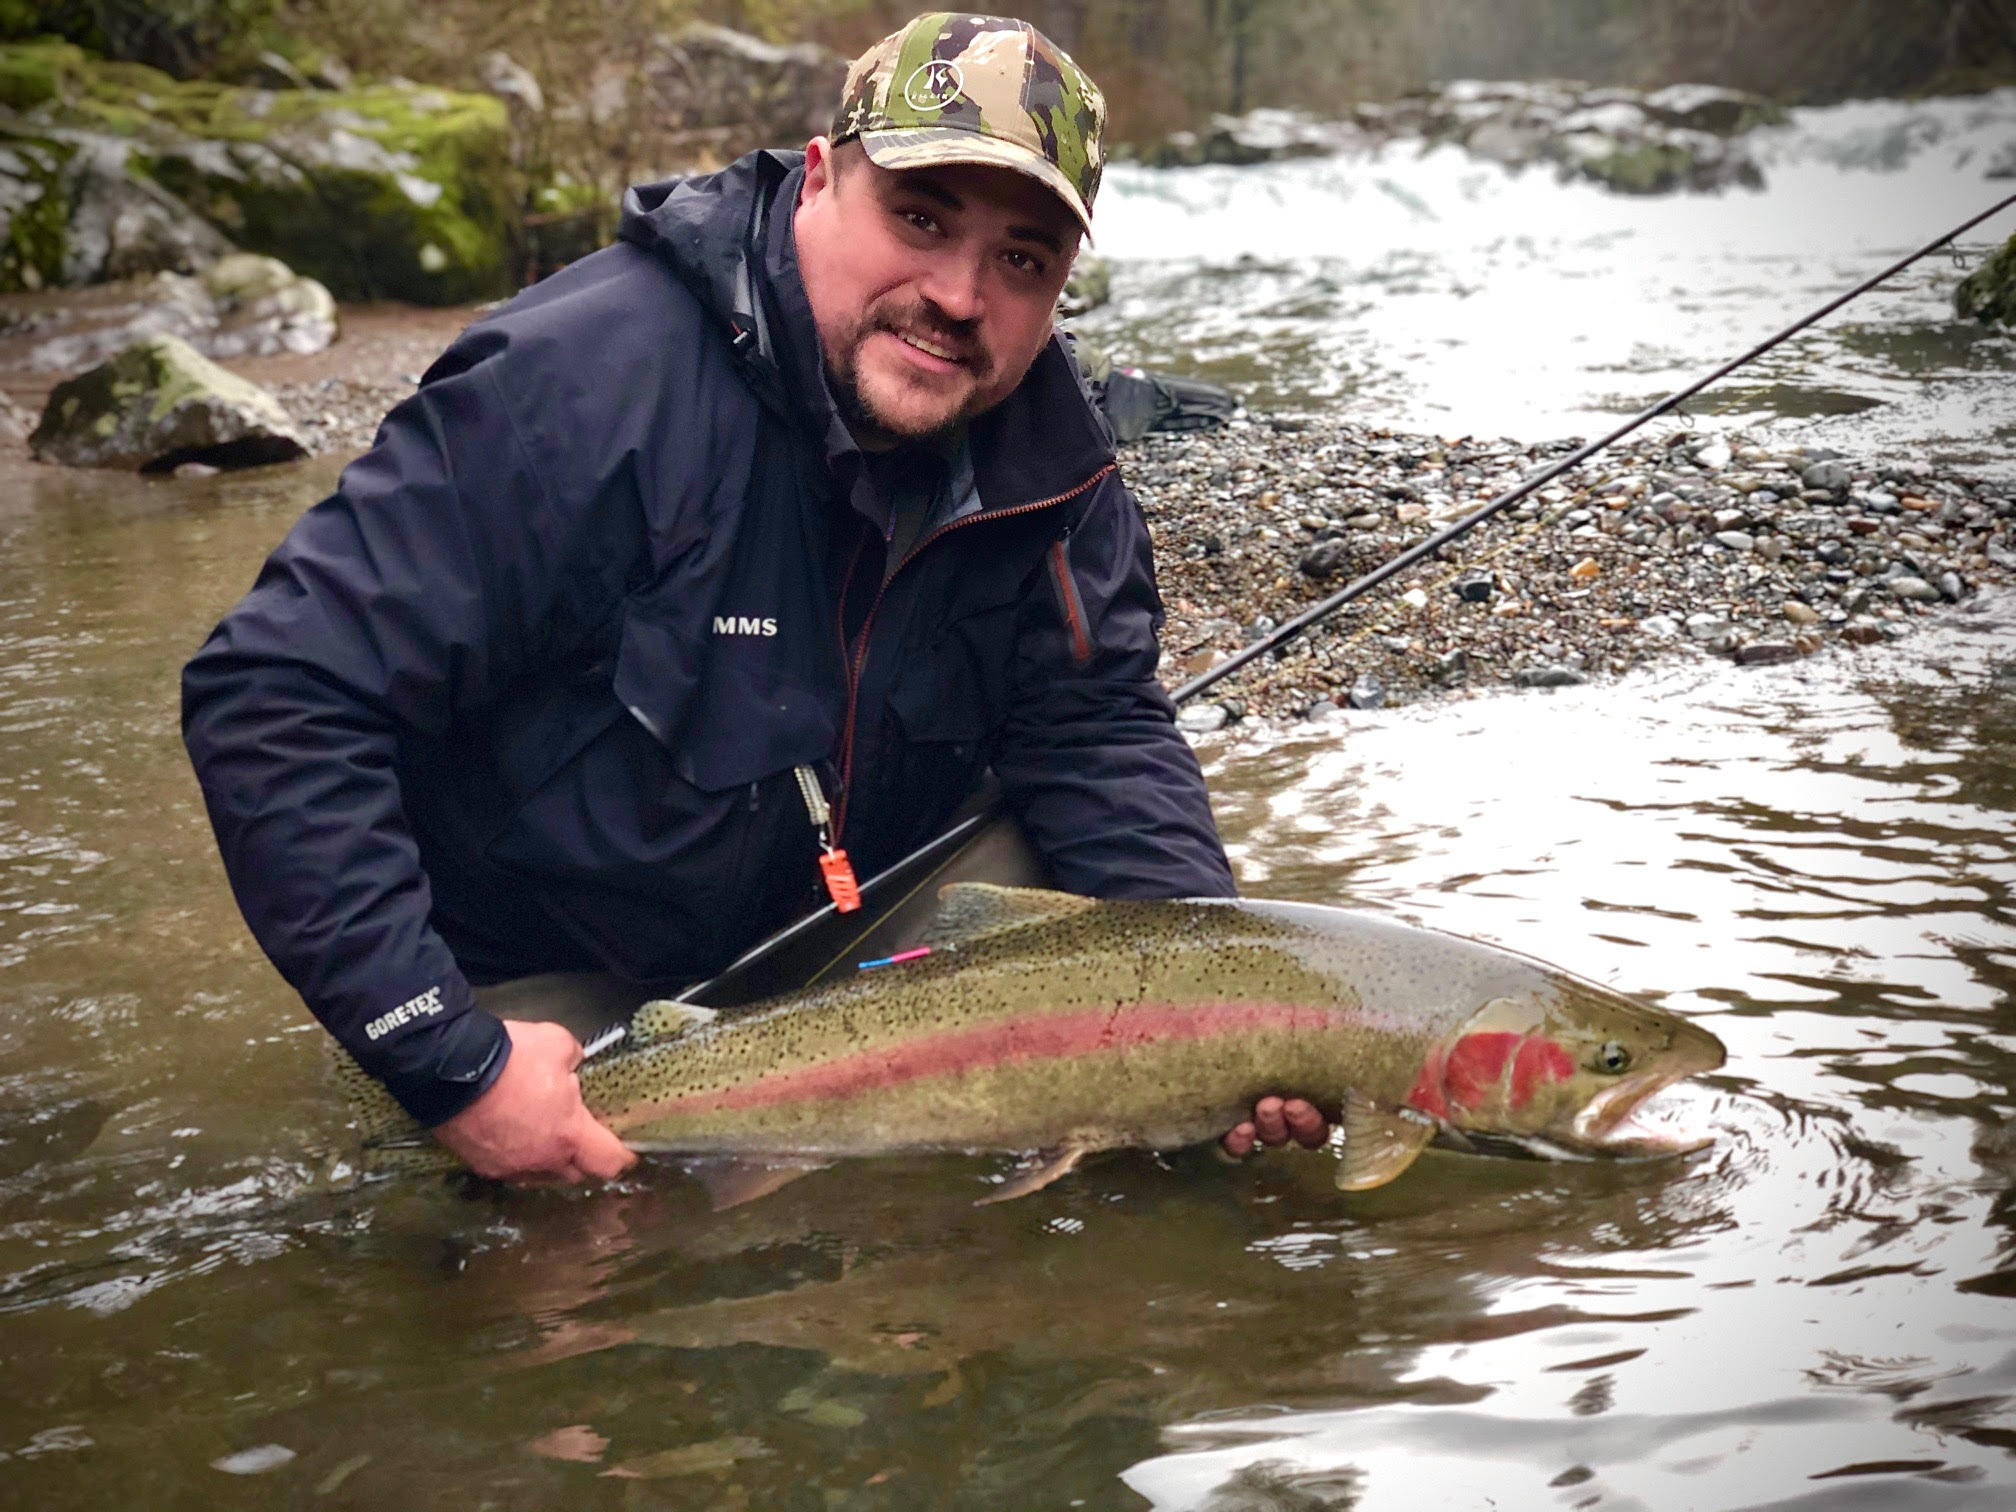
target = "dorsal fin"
x: 969, y: 911
x: 667, y: 1018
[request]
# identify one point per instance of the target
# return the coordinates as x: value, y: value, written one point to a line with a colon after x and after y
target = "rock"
x: 1321, y: 710
x: 1265, y: 135
x: 1368, y: 692
x: 272, y: 71
x: 1548, y: 677
x: 1906, y: 586
x: 264, y: 307
x: 1089, y: 286
x: 1474, y: 587
x: 243, y: 305
x: 72, y: 213
x: 1801, y: 613
x: 1705, y: 107
x: 1712, y: 455
x: 1830, y: 477
x: 167, y: 304
x: 1988, y: 294
x: 159, y: 404
x: 710, y: 94
x: 393, y: 190
x: 1585, y: 571
x: 513, y: 83
x: 1325, y: 559
x: 1451, y: 667
x: 1735, y: 540
x: 1502, y: 141
x: 1764, y: 653
x: 15, y: 422
x: 1202, y: 719
x: 1952, y: 587
x: 254, y: 1461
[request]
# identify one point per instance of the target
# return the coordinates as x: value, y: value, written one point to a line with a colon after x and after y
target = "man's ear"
x: 819, y: 167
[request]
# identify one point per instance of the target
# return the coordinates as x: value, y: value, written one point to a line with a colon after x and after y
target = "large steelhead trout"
x: 1046, y: 1022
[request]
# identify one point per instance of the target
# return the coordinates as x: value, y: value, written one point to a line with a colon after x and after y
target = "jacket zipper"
x: 860, y: 657
x: 1074, y: 606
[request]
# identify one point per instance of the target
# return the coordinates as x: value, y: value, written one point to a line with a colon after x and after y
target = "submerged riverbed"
x: 1816, y: 859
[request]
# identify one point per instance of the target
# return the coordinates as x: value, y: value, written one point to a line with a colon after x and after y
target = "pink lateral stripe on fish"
x: 1055, y: 1036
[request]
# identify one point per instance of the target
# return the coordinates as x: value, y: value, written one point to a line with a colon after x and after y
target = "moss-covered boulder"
x: 159, y: 404
x: 1988, y: 294
x: 264, y: 306
x: 1089, y: 286
x: 385, y: 191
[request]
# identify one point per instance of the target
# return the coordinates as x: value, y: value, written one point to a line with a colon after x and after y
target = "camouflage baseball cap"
x: 958, y: 88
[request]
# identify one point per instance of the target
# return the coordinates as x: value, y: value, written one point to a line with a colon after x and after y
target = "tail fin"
x: 389, y: 1139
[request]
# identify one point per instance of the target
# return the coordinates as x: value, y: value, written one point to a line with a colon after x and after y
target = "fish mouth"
x: 1611, y: 1123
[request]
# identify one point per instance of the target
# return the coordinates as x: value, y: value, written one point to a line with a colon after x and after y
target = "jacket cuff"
x: 459, y: 1063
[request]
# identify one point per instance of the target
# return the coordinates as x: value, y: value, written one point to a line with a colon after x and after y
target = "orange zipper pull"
x: 834, y: 867
x: 840, y: 884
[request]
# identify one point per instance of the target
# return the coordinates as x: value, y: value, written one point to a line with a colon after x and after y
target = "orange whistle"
x: 840, y: 884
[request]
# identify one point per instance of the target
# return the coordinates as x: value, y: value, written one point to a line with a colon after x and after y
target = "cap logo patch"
x: 937, y: 84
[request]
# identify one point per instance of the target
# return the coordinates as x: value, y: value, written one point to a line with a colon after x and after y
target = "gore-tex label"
x: 426, y: 1005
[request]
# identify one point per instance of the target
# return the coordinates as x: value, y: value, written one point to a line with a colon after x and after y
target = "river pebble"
x: 1736, y: 545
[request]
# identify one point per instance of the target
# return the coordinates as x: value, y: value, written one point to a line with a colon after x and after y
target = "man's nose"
x: 952, y: 282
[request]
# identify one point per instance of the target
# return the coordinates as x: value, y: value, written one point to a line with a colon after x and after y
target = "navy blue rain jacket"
x: 527, y: 691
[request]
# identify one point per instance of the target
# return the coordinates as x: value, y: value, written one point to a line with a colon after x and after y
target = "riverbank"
x: 1678, y: 542
x: 1681, y: 542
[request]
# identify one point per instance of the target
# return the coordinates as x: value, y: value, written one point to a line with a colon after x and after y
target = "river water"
x: 1819, y: 1311
x: 1442, y: 293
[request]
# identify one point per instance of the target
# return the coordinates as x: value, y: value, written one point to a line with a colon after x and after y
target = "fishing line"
x: 1281, y: 635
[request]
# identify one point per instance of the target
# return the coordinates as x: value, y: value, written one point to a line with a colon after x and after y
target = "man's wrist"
x: 468, y: 1054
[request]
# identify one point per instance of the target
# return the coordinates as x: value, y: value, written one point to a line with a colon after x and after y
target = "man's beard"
x: 871, y: 421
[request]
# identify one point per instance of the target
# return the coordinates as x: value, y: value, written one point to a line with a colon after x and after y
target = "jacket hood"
x: 714, y: 229
x: 728, y: 237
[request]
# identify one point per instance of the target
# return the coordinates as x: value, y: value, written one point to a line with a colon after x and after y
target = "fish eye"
x: 1611, y: 1058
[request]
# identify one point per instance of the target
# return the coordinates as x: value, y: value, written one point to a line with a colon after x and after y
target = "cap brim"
x: 944, y: 146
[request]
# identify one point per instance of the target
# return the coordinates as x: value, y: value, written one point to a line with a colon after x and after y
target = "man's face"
x: 932, y: 288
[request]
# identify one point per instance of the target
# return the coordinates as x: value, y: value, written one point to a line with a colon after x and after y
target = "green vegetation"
x: 1988, y: 294
x: 386, y: 191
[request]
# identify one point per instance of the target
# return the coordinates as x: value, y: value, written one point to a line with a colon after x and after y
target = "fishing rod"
x: 906, y: 878
x: 1281, y: 635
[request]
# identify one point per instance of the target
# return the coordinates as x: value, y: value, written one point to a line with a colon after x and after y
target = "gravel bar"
x: 1722, y: 544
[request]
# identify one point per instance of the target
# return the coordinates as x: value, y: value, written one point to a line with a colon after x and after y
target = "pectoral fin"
x: 668, y: 1018
x: 1379, y: 1142
x: 730, y: 1183
x: 1053, y: 1164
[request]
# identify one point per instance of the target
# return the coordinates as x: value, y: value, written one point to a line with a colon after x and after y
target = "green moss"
x: 1648, y: 168
x: 1988, y: 294
x: 32, y: 72
x: 361, y: 221
x: 31, y: 254
x: 387, y: 191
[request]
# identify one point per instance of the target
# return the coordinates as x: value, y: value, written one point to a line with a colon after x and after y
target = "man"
x: 789, y: 500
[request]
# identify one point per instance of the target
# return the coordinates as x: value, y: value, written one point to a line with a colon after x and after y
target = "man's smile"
x: 942, y: 357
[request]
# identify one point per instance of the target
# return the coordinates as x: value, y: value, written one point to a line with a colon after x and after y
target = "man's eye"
x: 1022, y: 262
x: 918, y: 219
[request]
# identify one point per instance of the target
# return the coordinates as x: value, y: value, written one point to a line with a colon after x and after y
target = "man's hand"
x: 532, y: 1125
x: 1275, y: 1121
